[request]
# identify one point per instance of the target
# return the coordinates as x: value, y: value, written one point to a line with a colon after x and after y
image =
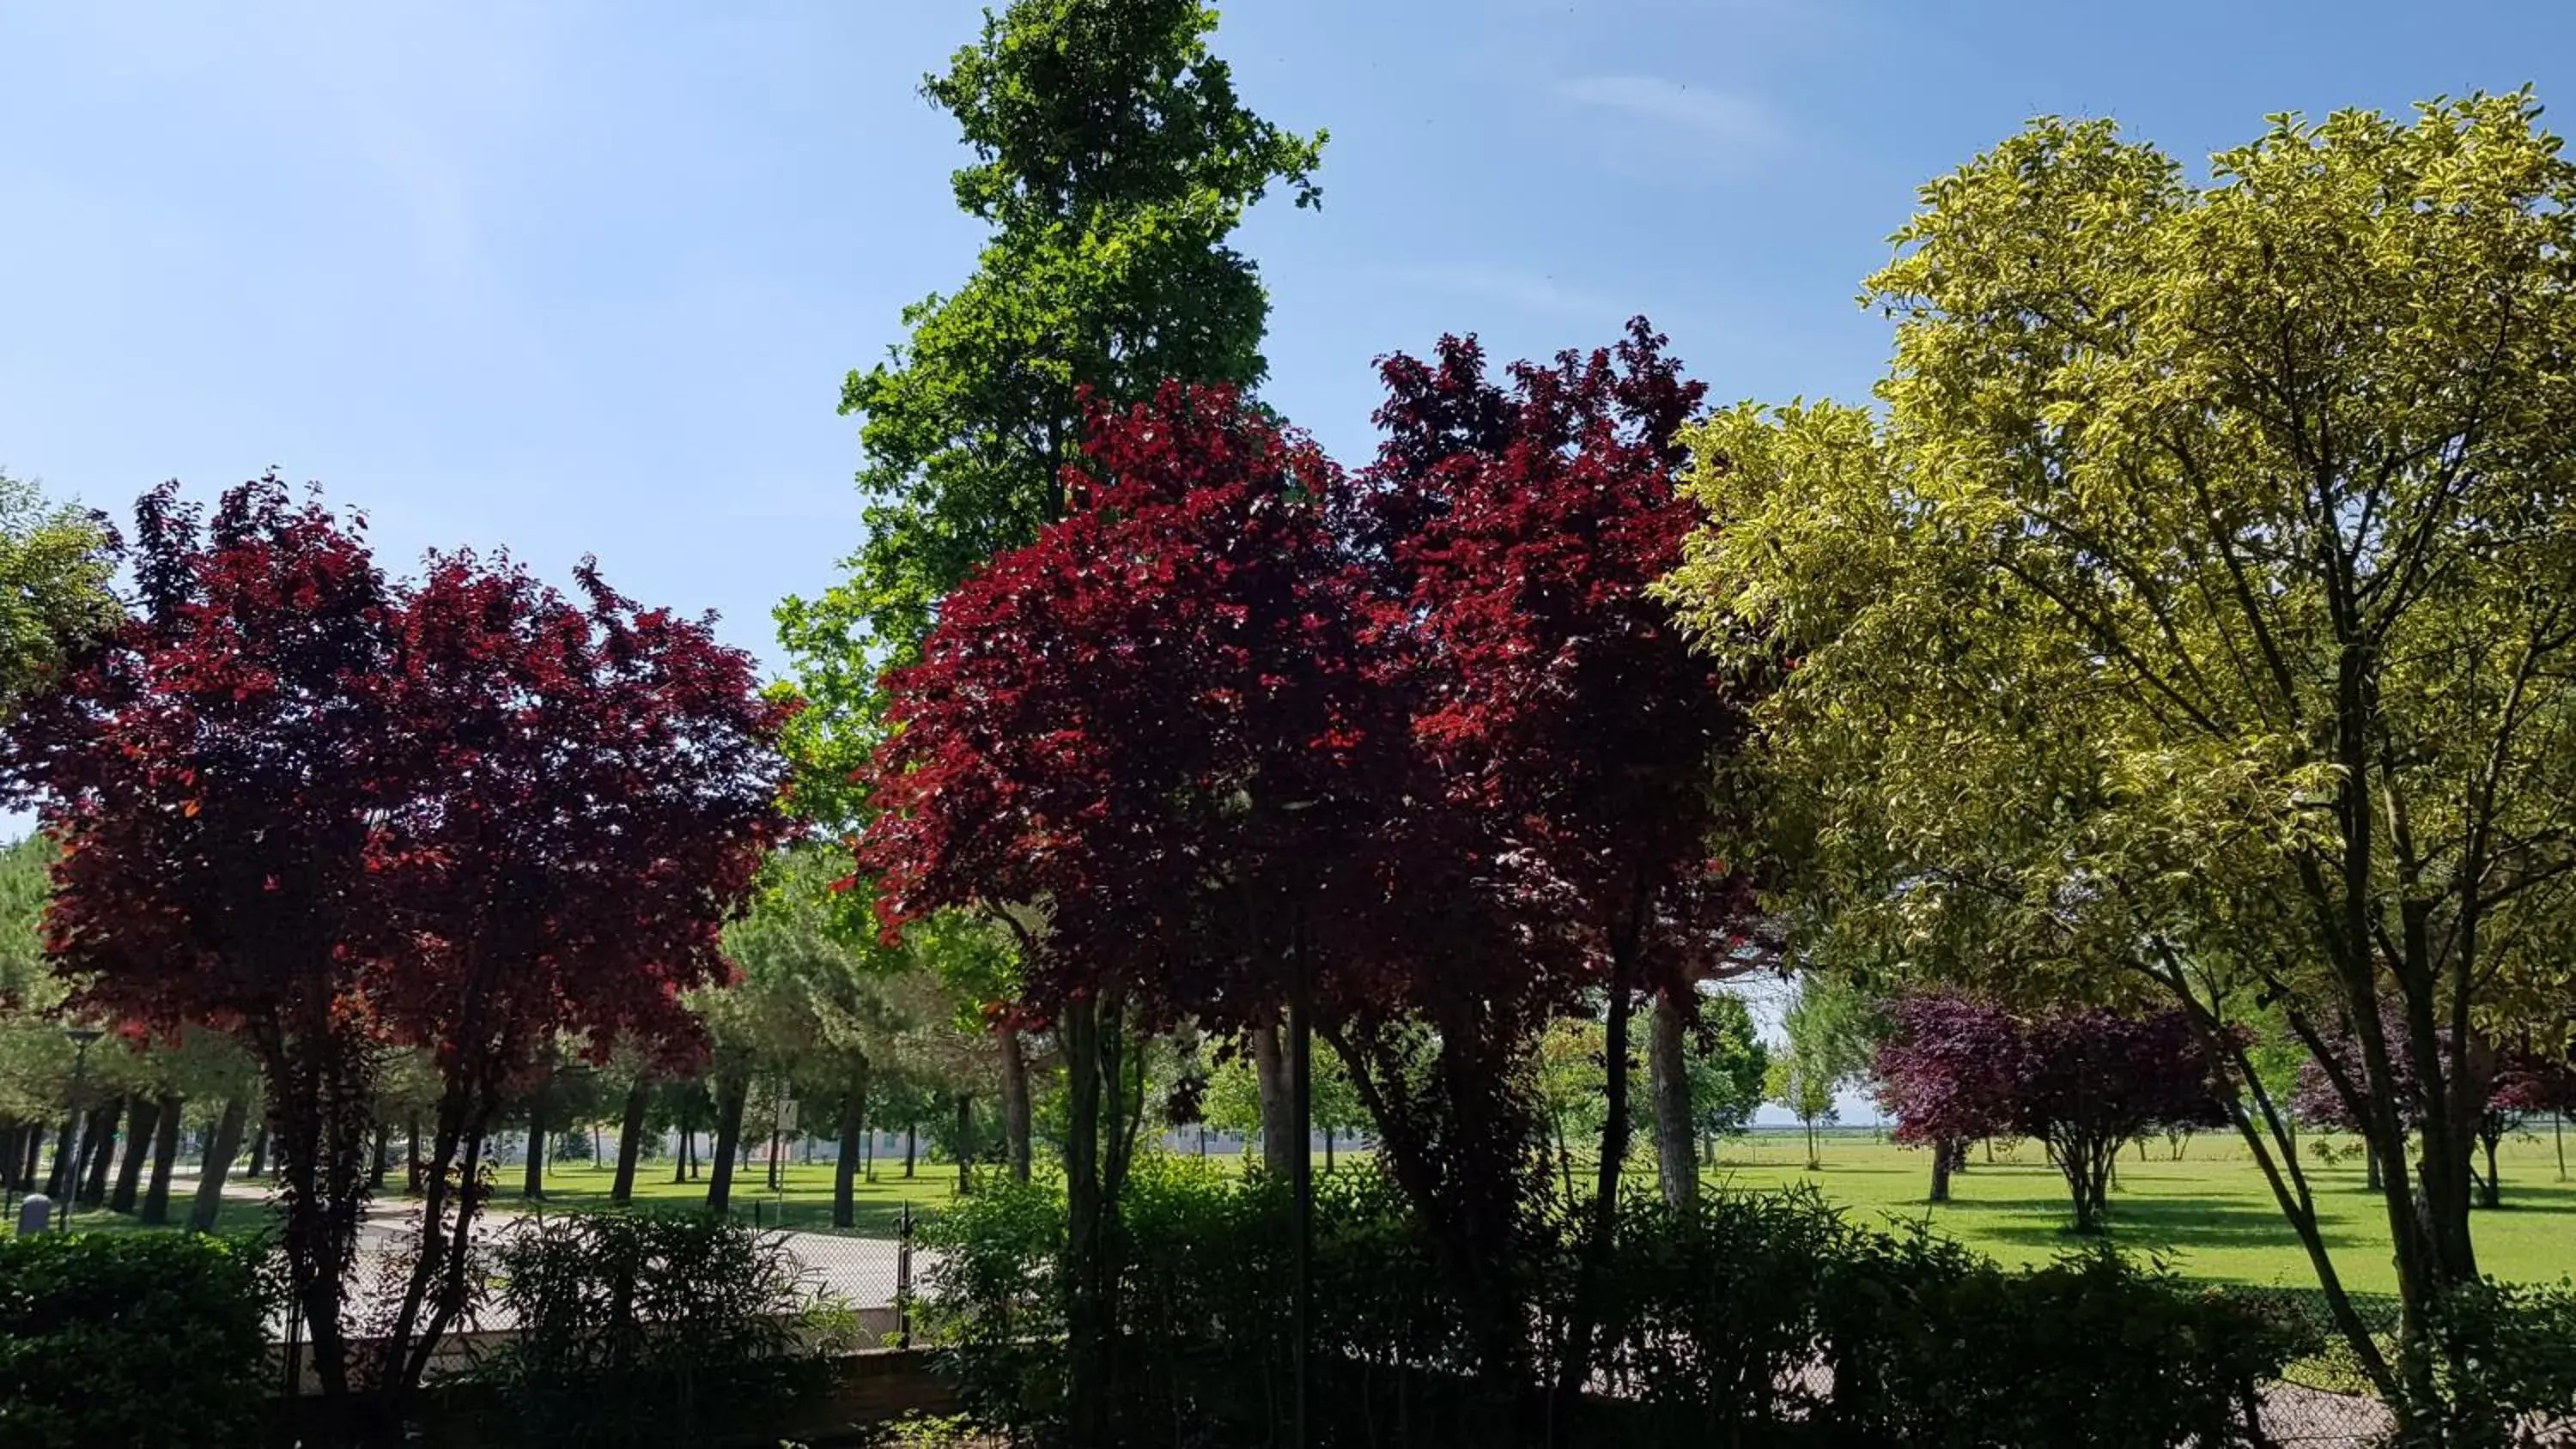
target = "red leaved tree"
x: 1150, y: 742
x: 335, y: 816
x: 1946, y: 1072
x: 1526, y: 527
x: 217, y: 774
x: 597, y: 786
x: 2084, y: 1081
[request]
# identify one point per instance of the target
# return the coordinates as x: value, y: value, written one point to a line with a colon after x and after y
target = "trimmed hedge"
x: 1751, y: 1319
x: 141, y: 1340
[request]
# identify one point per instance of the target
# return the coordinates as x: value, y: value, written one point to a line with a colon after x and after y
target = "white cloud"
x: 1737, y: 120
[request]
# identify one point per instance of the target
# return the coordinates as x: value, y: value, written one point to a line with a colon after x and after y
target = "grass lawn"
x: 237, y: 1216
x: 2211, y: 1213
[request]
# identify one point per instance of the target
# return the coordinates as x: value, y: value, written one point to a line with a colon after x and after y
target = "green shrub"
x: 1712, y: 1316
x: 990, y: 1307
x: 1933, y: 1346
x: 141, y: 1339
x: 1745, y: 1319
x: 2503, y: 1357
x: 647, y: 1327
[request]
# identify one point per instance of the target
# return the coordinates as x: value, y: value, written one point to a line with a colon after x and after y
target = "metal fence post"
x: 903, y: 1279
x: 294, y: 1351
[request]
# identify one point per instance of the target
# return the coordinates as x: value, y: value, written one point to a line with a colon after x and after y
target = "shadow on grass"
x: 2538, y: 1196
x: 2149, y: 1223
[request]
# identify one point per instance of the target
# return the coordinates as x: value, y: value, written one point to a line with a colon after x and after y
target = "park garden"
x: 1256, y: 942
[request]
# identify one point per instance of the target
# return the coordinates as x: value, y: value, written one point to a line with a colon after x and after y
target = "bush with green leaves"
x: 650, y: 1327
x: 1742, y: 1318
x: 2506, y: 1361
x: 1931, y: 1345
x: 143, y: 1339
x: 990, y: 1305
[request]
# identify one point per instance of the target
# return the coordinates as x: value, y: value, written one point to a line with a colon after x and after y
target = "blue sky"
x: 586, y: 277
x: 582, y: 278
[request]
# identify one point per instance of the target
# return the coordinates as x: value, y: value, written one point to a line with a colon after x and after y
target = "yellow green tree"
x: 2196, y: 614
x: 57, y: 571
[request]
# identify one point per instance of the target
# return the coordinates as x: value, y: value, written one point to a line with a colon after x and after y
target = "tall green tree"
x: 2200, y: 618
x: 1113, y: 161
x: 1725, y: 1061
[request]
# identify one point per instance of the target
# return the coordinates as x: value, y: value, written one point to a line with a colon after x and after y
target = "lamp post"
x: 80, y: 1037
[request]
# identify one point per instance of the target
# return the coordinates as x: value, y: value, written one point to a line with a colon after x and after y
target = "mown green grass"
x: 236, y: 1217
x: 2210, y: 1213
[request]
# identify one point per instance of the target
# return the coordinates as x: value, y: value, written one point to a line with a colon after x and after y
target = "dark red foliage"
x: 2324, y: 1098
x: 1425, y: 742
x: 1157, y: 723
x: 1523, y: 527
x: 2084, y: 1082
x: 330, y: 814
x: 1948, y: 1070
x: 215, y: 773
x: 2532, y: 1084
x: 599, y: 789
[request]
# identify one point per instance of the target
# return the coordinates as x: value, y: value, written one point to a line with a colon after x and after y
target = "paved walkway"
x: 858, y: 1273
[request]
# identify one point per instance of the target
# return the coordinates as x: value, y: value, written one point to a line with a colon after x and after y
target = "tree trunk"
x: 259, y: 1151
x: 1270, y: 1076
x: 532, y: 1176
x: 411, y: 1155
x: 58, y: 1181
x: 98, y: 1155
x: 165, y: 1157
x: 845, y: 1167
x: 1329, y: 1134
x: 1015, y: 1101
x: 2491, y: 1192
x: 776, y: 1111
x: 911, y: 1145
x: 221, y: 1148
x: 680, y: 1155
x: 142, y: 1118
x: 1668, y: 1078
x: 2370, y: 1179
x: 1564, y: 1157
x: 377, y: 1153
x: 732, y: 1093
x: 1593, y: 1265
x: 1087, y: 1348
x: 965, y: 1144
x: 630, y: 1141
x: 12, y: 1141
x: 1942, y: 1152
